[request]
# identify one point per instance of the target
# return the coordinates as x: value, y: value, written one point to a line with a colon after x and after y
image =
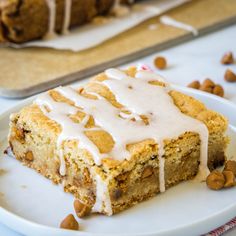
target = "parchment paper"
x: 92, y: 34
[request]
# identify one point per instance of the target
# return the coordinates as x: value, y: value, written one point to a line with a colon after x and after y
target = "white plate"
x: 32, y: 205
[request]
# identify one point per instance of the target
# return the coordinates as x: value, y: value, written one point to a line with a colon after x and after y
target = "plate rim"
x: 6, y: 215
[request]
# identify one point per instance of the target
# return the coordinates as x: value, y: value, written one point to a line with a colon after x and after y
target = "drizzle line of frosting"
x: 52, y: 18
x: 67, y: 16
x: 172, y: 22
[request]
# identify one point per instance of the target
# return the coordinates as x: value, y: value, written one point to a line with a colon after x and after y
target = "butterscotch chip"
x: 206, y: 89
x: 218, y: 90
x: 81, y: 209
x: 29, y: 156
x: 230, y: 76
x: 195, y: 84
x: 215, y: 180
x: 123, y: 177
x: 231, y: 165
x: 20, y: 134
x: 207, y: 86
x: 208, y: 83
x: 229, y: 178
x: 227, y: 58
x: 70, y: 223
x: 160, y: 63
x: 148, y: 171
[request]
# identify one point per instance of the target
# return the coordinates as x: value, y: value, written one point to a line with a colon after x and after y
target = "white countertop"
x: 195, y: 60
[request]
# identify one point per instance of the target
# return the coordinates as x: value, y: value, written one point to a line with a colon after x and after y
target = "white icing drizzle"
x: 120, y: 10
x: 130, y: 116
x: 172, y: 22
x: 52, y: 19
x: 139, y: 97
x: 62, y: 169
x: 103, y: 202
x: 67, y: 15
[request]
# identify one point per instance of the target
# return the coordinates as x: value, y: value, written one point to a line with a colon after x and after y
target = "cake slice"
x: 120, y: 139
x: 23, y: 21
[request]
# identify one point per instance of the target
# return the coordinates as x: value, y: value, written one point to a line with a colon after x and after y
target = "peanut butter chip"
x: 195, y: 84
x: 231, y: 165
x: 227, y: 59
x: 208, y: 86
x: 230, y: 76
x: 20, y: 134
x: 206, y: 89
x: 208, y: 83
x: 160, y: 63
x: 29, y: 156
x: 81, y: 209
x: 70, y: 223
x: 215, y: 180
x: 148, y: 171
x: 218, y: 90
x: 229, y: 178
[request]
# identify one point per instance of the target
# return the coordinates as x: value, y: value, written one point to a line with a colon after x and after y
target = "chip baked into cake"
x: 22, y: 21
x: 122, y: 138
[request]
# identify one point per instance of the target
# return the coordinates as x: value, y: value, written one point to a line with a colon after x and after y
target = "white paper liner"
x: 93, y: 34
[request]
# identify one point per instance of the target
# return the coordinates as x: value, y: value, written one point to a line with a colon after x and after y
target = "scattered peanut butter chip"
x: 160, y: 63
x: 218, y: 90
x: 229, y: 178
x: 208, y: 83
x: 227, y: 59
x: 70, y: 223
x: 206, y: 89
x: 230, y: 76
x: 207, y: 86
x: 215, y: 180
x: 195, y: 84
x: 81, y: 209
x: 231, y: 165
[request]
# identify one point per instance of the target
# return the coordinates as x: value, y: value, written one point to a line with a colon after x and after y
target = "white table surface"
x: 195, y: 60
